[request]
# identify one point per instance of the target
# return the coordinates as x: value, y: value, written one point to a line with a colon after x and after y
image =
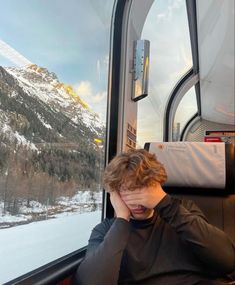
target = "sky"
x: 70, y: 38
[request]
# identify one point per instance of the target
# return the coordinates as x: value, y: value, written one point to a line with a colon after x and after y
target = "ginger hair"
x: 137, y: 167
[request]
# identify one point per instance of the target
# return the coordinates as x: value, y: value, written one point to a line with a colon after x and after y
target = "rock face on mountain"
x: 36, y: 105
x: 46, y: 133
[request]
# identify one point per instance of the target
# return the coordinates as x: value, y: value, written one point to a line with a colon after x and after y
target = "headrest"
x: 196, y: 164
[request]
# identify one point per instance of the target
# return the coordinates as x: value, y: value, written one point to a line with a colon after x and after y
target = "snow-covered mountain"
x: 48, y: 139
x: 36, y: 107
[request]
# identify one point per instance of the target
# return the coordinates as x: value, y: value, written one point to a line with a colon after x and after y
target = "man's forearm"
x: 102, y: 262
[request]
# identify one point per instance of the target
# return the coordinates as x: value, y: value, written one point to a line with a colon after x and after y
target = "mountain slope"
x: 47, y: 138
x: 49, y: 109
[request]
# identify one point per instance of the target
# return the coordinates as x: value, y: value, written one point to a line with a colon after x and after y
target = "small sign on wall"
x: 130, y: 137
x: 220, y: 136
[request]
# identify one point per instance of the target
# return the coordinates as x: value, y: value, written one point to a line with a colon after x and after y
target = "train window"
x: 167, y: 29
x: 53, y: 82
x: 185, y: 111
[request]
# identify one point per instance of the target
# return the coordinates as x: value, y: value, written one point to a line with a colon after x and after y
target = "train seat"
x: 202, y: 172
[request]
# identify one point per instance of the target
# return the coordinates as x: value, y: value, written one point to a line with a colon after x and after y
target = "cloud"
x: 84, y: 89
x: 97, y: 102
x: 99, y: 97
x: 147, y: 131
x: 13, y: 55
x: 102, y: 65
x: 173, y: 5
x: 98, y: 68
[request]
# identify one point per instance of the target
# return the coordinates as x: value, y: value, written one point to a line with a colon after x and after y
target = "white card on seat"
x: 192, y: 164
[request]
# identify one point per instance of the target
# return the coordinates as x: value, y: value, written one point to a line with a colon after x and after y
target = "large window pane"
x: 170, y: 57
x: 53, y: 82
x: 185, y: 111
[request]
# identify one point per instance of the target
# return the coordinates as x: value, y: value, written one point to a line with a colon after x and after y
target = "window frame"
x: 180, y: 89
x: 53, y: 272
x: 173, y: 102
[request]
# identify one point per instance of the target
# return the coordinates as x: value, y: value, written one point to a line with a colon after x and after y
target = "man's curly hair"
x: 137, y: 167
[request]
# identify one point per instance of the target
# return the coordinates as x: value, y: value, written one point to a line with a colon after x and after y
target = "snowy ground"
x: 26, y: 247
x: 82, y: 202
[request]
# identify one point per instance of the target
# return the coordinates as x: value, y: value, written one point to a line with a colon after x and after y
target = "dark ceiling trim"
x: 115, y: 80
x: 192, y: 22
x: 198, y: 97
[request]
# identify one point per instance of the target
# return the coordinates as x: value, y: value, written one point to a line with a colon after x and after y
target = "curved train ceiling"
x: 215, y: 20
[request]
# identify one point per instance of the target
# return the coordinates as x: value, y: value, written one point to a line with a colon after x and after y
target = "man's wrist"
x: 127, y: 218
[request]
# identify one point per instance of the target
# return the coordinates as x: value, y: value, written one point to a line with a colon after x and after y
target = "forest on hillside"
x: 46, y: 173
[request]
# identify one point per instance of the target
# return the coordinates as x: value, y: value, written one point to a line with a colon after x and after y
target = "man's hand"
x: 148, y: 197
x: 119, y: 206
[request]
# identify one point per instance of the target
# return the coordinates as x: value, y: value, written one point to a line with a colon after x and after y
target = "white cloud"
x: 13, y: 55
x: 186, y: 55
x: 96, y: 102
x: 98, y: 68
x: 106, y: 60
x: 102, y: 66
x: 99, y: 97
x: 161, y: 16
x: 84, y: 89
x: 173, y: 5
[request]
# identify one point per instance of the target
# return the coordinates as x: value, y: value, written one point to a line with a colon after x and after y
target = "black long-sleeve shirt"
x: 175, y: 246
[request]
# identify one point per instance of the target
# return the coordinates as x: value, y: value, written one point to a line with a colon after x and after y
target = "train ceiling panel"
x: 215, y: 20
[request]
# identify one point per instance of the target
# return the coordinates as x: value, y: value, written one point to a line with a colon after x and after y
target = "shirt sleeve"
x: 210, y: 245
x: 101, y: 264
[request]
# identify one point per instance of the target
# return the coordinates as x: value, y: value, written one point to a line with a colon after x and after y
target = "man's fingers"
x: 133, y: 199
x: 128, y: 192
x: 131, y: 194
x: 114, y: 194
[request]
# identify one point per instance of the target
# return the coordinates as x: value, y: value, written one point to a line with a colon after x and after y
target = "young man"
x: 154, y: 238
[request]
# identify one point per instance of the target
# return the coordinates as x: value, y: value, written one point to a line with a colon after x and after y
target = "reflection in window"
x: 187, y: 108
x: 170, y: 58
x: 53, y: 78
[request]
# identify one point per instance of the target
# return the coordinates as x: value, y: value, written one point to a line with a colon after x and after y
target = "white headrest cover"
x: 192, y: 164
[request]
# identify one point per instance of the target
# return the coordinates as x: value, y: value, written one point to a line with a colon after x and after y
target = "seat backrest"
x: 202, y: 172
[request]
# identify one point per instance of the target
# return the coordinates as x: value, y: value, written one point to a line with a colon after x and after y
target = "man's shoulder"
x: 187, y: 203
x: 192, y: 207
